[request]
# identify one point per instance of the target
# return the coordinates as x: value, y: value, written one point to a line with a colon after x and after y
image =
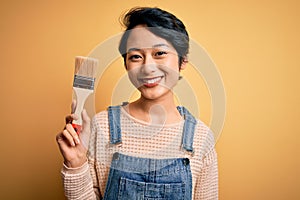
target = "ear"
x: 184, y: 63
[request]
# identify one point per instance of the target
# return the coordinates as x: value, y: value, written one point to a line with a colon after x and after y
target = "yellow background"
x: 255, y: 45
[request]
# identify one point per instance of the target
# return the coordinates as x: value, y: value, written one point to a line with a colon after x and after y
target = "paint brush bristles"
x: 85, y: 66
x: 83, y: 85
x: 85, y: 72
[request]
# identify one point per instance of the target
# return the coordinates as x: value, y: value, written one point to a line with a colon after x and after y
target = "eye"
x: 160, y: 53
x: 134, y: 57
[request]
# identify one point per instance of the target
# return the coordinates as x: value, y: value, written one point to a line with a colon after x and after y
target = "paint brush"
x: 83, y: 85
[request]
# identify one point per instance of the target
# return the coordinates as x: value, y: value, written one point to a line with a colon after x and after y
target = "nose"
x: 149, y: 65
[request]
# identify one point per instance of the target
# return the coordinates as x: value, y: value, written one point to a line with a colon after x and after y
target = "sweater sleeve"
x: 207, y: 183
x: 81, y: 183
x: 78, y: 183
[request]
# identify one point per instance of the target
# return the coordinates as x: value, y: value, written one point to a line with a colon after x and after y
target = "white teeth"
x: 151, y: 81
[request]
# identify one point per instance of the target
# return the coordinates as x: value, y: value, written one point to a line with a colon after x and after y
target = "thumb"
x: 85, y: 119
x: 86, y: 129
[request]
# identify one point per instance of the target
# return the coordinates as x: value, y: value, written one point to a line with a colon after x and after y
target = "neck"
x: 158, y: 111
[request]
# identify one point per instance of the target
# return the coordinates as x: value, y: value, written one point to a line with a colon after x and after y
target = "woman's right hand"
x: 72, y: 147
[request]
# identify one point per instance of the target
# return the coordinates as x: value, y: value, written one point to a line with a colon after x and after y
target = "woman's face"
x: 152, y: 63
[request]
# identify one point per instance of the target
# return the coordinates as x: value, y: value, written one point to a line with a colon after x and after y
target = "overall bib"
x: 134, y: 178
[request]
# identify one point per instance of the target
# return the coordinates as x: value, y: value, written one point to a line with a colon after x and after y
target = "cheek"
x: 173, y: 64
x: 171, y: 70
x: 172, y: 77
x: 132, y: 75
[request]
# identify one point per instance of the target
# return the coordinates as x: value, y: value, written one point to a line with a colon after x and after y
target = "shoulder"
x: 100, y: 120
x: 204, y: 140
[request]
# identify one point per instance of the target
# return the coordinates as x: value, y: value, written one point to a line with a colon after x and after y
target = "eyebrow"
x: 154, y: 46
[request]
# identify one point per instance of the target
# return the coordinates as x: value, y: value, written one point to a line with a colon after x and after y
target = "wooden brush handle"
x: 81, y: 96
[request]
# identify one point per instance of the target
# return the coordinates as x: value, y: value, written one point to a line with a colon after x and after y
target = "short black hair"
x: 165, y: 25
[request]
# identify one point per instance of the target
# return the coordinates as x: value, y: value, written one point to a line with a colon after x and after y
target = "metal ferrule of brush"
x: 84, y: 82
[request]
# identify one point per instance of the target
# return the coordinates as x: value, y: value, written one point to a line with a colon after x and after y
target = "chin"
x: 155, y: 95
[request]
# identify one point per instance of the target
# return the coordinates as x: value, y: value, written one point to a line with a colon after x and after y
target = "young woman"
x: 149, y: 148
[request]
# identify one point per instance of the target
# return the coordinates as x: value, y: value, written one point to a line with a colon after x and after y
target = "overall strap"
x: 188, y: 129
x: 114, y: 113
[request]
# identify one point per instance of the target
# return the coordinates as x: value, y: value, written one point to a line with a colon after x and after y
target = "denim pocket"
x: 137, y: 190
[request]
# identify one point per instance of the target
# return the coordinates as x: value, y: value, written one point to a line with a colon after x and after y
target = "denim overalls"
x: 133, y: 178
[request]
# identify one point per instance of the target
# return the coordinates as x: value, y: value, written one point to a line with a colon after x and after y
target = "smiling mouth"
x: 151, y: 82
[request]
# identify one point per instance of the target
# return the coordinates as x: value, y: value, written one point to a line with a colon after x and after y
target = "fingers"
x: 69, y: 119
x: 74, y: 153
x: 70, y: 130
x: 70, y: 136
